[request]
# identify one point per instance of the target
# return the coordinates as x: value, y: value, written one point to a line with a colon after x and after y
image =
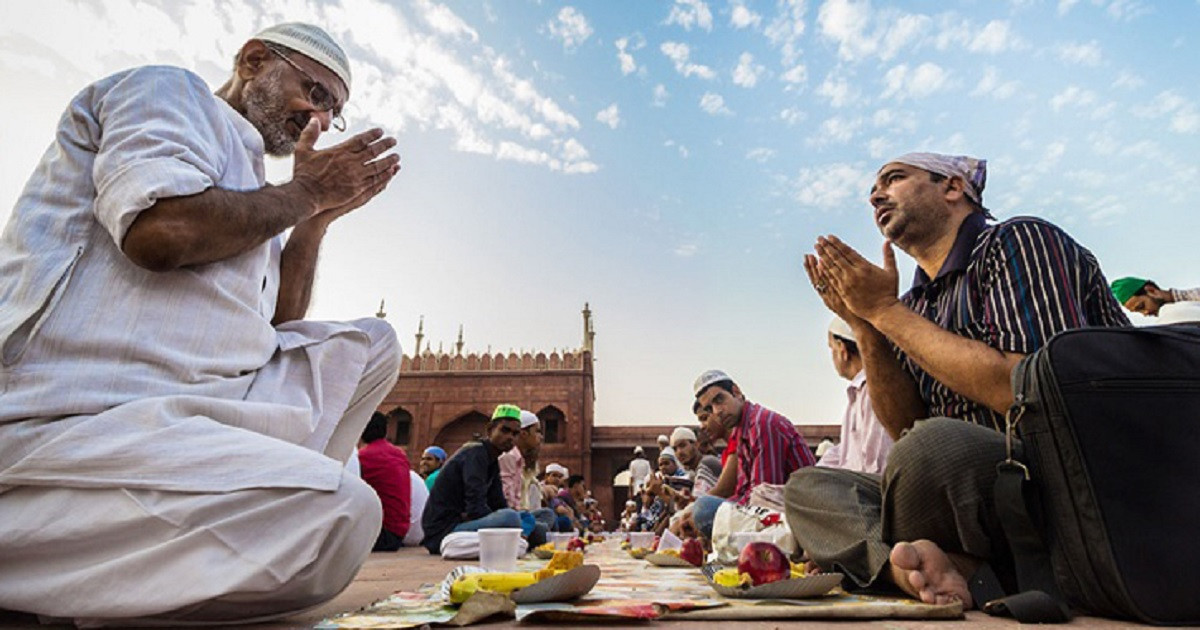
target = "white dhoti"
x: 189, y: 509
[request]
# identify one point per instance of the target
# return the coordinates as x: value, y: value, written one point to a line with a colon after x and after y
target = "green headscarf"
x: 1125, y: 288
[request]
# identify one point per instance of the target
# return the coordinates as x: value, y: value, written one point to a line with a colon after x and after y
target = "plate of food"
x: 640, y: 553
x: 544, y: 552
x: 565, y: 577
x: 729, y: 582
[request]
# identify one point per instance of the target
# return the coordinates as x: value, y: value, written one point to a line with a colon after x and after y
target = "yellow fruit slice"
x: 466, y: 585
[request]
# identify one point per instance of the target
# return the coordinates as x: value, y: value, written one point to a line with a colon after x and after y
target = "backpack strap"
x: 1040, y: 600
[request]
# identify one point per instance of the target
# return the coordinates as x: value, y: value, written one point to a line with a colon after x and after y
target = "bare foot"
x: 931, y: 575
x: 811, y: 568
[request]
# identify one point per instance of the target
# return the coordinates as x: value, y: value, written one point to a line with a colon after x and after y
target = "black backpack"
x: 1103, y: 510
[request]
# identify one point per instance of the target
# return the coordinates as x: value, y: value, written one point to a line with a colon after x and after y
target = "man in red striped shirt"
x: 769, y: 449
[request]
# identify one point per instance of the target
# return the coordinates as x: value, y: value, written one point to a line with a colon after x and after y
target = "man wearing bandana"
x: 939, y: 359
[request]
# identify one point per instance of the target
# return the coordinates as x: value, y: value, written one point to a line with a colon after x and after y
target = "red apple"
x: 764, y: 563
x: 693, y: 551
x: 576, y: 544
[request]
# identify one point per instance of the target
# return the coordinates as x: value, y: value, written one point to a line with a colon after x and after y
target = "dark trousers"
x: 938, y: 485
x: 387, y: 541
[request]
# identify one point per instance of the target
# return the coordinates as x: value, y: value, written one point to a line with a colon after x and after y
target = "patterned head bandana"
x: 972, y: 171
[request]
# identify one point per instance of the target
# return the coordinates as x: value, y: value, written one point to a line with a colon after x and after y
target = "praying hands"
x: 849, y: 284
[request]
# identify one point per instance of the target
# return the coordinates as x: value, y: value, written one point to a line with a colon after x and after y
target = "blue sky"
x: 671, y: 162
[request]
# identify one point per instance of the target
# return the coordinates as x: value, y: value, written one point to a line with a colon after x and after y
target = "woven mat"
x: 630, y: 589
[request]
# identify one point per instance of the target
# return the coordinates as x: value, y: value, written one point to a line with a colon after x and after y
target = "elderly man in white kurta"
x: 172, y: 432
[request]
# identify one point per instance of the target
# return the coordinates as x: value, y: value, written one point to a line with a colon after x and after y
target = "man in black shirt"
x: 468, y: 494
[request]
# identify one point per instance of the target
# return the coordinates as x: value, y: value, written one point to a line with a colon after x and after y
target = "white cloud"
x: 838, y: 90
x: 1128, y: 80
x: 901, y: 31
x: 834, y: 186
x: 691, y: 13
x: 625, y: 46
x: 1126, y: 10
x: 1065, y: 5
x: 795, y: 75
x: 687, y: 250
x: 760, y: 154
x: 879, y: 147
x: 680, y: 55
x: 660, y: 96
x: 845, y: 21
x: 741, y: 17
x: 747, y: 72
x: 1183, y: 114
x: 886, y: 118
x: 573, y: 151
x: 902, y: 83
x: 1073, y: 96
x: 837, y: 130
x: 995, y: 37
x: 792, y: 116
x: 1086, y: 54
x: 610, y: 116
x: 570, y: 27
x: 992, y: 85
x: 784, y: 32
x: 714, y: 104
x: 683, y: 151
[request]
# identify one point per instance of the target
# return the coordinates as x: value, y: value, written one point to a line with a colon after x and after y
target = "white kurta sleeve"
x: 161, y: 135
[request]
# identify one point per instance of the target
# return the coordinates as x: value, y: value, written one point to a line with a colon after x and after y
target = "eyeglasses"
x: 318, y: 95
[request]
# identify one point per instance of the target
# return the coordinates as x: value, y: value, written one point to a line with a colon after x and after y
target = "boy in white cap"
x: 984, y: 296
x: 863, y: 444
x: 704, y: 470
x: 200, y: 411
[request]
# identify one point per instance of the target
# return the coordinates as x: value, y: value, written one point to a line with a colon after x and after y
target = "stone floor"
x: 407, y: 569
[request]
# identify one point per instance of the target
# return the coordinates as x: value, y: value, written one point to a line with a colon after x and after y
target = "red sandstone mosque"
x: 446, y: 398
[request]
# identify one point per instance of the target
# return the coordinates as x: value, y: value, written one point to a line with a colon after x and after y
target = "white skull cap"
x: 839, y: 328
x: 708, y: 378
x: 312, y: 42
x: 682, y: 433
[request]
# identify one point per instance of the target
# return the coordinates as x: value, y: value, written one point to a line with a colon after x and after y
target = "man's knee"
x: 508, y: 517
x: 939, y: 447
x: 385, y: 345
x: 806, y: 484
x: 355, y: 515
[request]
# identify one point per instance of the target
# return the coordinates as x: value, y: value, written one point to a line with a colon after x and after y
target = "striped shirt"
x: 1013, y: 286
x: 769, y: 450
x: 1185, y: 295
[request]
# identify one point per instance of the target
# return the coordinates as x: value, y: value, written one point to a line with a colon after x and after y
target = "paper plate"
x: 795, y: 588
x: 453, y: 575
x: 668, y: 560
x: 565, y: 586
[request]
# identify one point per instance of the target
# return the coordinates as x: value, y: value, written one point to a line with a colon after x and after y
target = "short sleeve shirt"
x: 1013, y: 286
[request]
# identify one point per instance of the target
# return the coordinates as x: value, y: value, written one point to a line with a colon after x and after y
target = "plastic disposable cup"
x: 560, y: 539
x: 739, y: 540
x: 498, y: 548
x: 641, y: 540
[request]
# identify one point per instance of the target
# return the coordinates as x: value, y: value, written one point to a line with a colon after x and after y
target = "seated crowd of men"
x: 202, y: 409
x: 903, y: 499
x: 493, y: 482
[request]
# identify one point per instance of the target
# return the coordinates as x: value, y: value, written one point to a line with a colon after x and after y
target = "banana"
x: 466, y: 585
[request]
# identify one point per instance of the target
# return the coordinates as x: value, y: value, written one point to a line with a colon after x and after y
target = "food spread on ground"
x: 505, y: 583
